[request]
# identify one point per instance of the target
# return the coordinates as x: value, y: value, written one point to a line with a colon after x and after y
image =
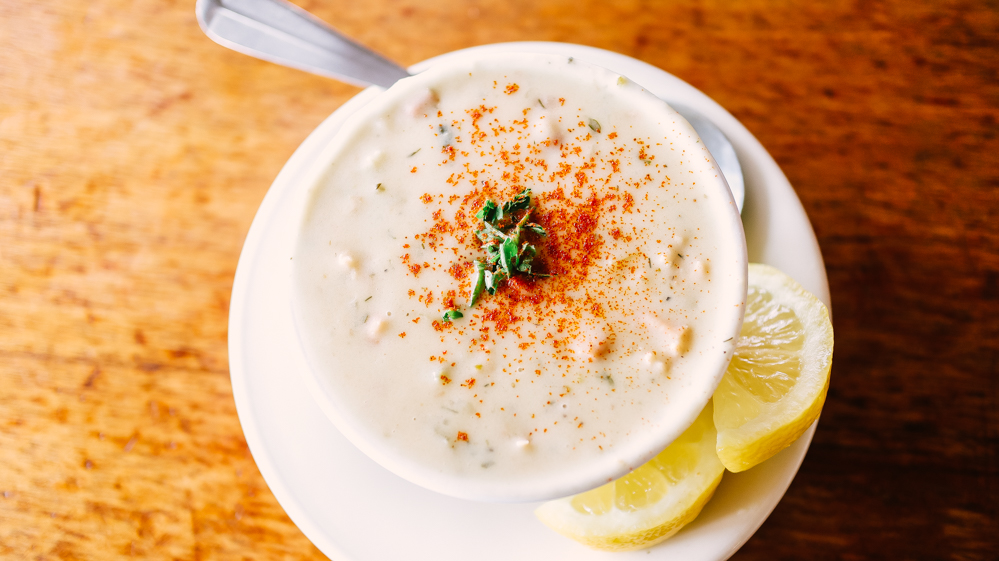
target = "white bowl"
x: 347, y: 505
x: 351, y: 391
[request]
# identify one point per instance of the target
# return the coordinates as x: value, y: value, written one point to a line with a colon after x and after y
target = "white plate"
x: 353, y: 509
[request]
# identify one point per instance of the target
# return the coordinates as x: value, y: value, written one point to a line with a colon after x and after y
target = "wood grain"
x: 134, y: 153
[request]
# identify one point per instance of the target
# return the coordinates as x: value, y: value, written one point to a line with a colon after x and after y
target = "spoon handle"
x: 280, y: 32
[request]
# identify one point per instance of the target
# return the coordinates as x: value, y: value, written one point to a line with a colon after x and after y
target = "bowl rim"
x: 687, y: 400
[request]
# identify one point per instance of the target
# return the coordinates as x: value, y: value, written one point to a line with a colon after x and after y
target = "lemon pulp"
x: 651, y: 503
x: 776, y: 384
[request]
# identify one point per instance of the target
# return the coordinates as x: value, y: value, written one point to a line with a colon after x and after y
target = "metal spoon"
x: 280, y: 32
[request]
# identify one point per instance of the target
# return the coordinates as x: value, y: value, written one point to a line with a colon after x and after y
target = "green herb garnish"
x: 480, y: 282
x: 521, y: 202
x: 452, y: 315
x: 487, y: 213
x: 492, y: 280
x: 506, y: 253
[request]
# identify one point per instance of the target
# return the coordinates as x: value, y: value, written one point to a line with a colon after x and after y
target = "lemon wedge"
x: 772, y: 391
x: 776, y: 384
x: 649, y: 504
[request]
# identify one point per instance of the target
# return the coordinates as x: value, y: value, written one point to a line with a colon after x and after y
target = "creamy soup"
x: 633, y: 295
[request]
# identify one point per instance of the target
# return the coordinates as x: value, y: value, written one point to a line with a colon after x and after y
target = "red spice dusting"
x: 469, y: 383
x: 629, y: 201
x: 597, y: 310
x: 444, y: 379
x: 402, y: 335
x: 503, y: 318
x: 477, y: 114
x: 524, y: 289
x: 449, y: 151
x: 413, y: 170
x: 459, y: 270
x: 511, y: 88
x: 462, y: 436
x: 578, y: 214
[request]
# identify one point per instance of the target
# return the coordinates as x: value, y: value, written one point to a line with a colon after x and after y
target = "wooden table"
x: 134, y: 152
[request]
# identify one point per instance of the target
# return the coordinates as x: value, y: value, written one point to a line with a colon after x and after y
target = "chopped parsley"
x: 452, y: 315
x: 507, y: 254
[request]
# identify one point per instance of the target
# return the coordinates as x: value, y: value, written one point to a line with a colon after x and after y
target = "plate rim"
x: 299, y: 162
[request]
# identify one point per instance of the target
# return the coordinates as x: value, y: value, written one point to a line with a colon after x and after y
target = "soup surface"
x: 625, y: 284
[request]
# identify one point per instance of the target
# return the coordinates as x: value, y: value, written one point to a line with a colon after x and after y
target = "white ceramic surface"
x: 353, y: 509
x: 333, y: 382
